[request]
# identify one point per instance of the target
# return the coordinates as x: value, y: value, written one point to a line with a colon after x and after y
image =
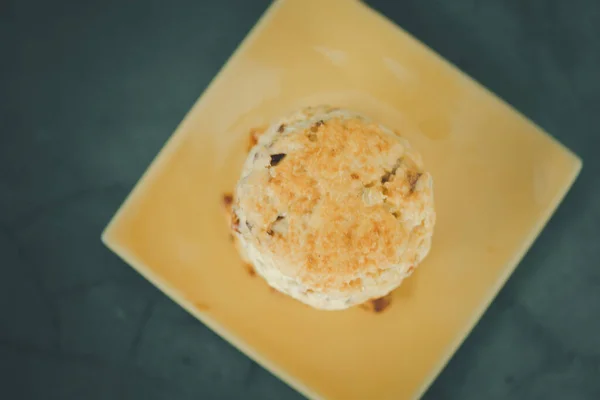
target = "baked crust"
x: 332, y: 208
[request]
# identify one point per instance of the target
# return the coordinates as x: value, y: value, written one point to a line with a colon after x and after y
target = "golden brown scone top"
x: 334, y: 202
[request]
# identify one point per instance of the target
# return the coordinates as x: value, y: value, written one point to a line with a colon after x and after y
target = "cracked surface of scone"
x: 332, y: 208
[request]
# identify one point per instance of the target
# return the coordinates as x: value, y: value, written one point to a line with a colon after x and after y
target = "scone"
x: 332, y: 208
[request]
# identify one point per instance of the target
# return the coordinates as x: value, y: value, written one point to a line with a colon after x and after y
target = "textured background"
x: 90, y: 91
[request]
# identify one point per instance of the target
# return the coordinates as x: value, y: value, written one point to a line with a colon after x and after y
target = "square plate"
x: 498, y: 178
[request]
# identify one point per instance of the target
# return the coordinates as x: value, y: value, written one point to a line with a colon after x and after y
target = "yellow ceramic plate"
x: 498, y: 178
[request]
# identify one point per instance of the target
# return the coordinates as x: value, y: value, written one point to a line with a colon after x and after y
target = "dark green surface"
x: 90, y: 92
